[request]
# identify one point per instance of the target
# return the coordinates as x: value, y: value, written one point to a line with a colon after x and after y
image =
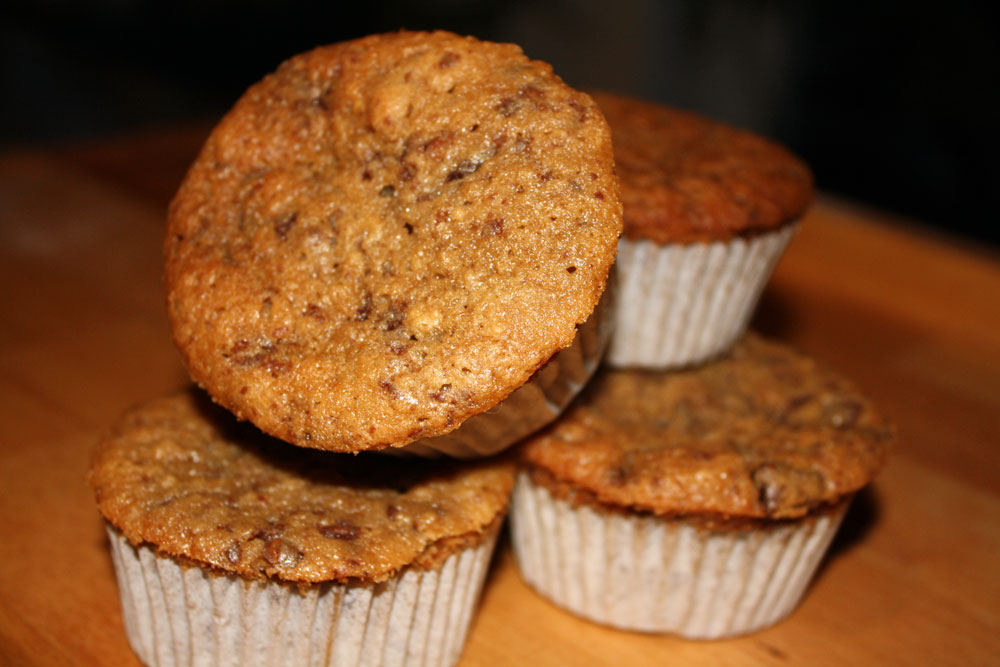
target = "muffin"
x: 232, y: 548
x: 697, y: 502
x: 708, y: 211
x: 389, y: 236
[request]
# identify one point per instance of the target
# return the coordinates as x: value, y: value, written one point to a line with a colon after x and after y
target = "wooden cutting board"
x: 913, y: 577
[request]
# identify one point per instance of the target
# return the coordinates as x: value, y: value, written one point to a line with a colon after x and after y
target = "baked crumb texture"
x: 181, y: 475
x: 763, y: 432
x: 389, y: 235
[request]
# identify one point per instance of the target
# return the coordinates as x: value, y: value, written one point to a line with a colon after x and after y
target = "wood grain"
x: 914, y: 319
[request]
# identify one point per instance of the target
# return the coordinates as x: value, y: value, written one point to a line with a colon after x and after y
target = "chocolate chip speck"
x: 280, y: 553
x: 843, y: 415
x: 342, y: 529
x: 283, y: 226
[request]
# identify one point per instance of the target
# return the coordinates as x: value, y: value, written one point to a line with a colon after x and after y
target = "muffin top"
x: 184, y: 476
x: 387, y: 236
x: 761, y: 433
x: 686, y: 179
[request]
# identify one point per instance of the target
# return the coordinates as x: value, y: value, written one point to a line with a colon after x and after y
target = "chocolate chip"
x: 441, y: 394
x: 283, y: 226
x: 364, y: 310
x: 770, y: 483
x: 843, y: 414
x: 242, y: 355
x: 238, y: 347
x: 394, y: 316
x: 389, y: 388
x: 276, y: 367
x: 533, y: 93
x: 581, y: 111
x: 797, y: 402
x: 341, y: 529
x: 464, y: 168
x: 387, y: 191
x: 433, y: 146
x: 507, y: 107
x: 280, y: 553
x: 233, y: 553
x: 315, y: 312
x: 617, y: 476
x: 391, y: 511
x: 448, y: 59
x: 570, y: 269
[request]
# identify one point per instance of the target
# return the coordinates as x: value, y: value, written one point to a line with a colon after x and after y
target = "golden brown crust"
x: 580, y: 497
x: 388, y: 236
x: 686, y: 179
x: 182, y: 475
x: 763, y: 432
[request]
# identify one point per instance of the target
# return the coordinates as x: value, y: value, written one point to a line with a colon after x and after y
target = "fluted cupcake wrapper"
x: 682, y: 304
x: 178, y: 614
x: 651, y: 574
x: 534, y: 404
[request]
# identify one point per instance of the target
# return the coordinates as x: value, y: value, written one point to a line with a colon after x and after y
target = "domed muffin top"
x: 183, y: 475
x: 761, y: 433
x: 389, y: 235
x: 687, y: 179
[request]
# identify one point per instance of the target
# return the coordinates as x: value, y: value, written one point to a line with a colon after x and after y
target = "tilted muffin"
x: 232, y: 548
x: 708, y: 211
x: 695, y: 502
x: 388, y: 236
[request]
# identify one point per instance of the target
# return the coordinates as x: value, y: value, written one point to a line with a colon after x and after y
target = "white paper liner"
x: 653, y: 574
x: 534, y: 404
x: 183, y: 615
x: 682, y: 304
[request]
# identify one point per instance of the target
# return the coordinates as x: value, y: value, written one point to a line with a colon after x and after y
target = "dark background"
x: 893, y: 104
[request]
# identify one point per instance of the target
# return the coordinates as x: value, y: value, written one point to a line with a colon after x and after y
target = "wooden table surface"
x: 913, y: 577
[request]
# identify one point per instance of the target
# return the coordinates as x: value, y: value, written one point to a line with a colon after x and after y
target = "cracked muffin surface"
x: 388, y: 236
x: 181, y: 474
x: 764, y: 432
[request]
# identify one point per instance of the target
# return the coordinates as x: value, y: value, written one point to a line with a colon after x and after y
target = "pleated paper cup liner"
x: 682, y: 304
x: 181, y: 614
x: 534, y: 404
x: 653, y: 574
